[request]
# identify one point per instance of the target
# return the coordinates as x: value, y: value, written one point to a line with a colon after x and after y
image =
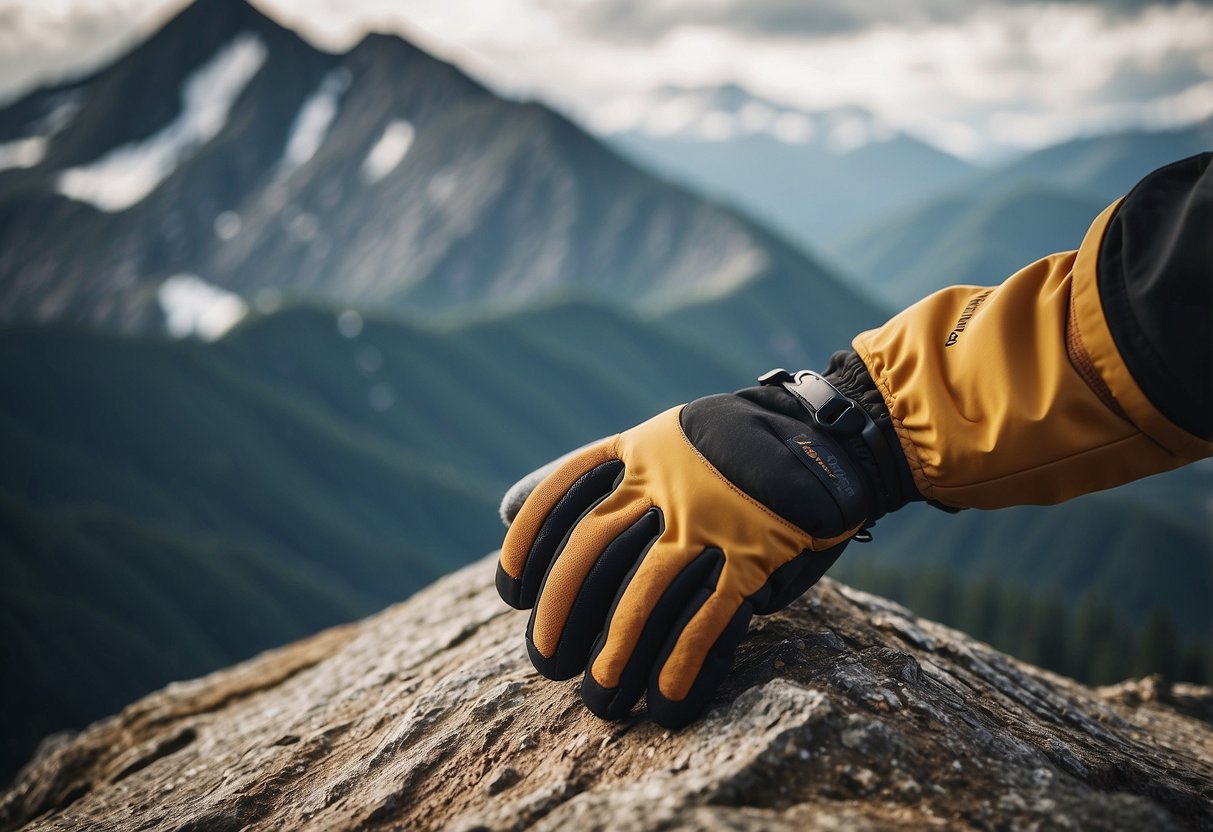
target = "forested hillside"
x: 172, y: 506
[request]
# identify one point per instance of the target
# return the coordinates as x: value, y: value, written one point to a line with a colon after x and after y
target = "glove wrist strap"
x: 842, y: 416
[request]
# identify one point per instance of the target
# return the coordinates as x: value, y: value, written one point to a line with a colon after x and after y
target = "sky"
x: 980, y: 78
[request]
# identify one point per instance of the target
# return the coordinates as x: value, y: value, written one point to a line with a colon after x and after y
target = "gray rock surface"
x: 844, y: 712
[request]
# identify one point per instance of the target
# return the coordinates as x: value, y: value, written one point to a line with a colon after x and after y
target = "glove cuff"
x: 847, y: 372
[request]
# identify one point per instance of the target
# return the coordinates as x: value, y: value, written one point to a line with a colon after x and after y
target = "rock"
x: 843, y: 712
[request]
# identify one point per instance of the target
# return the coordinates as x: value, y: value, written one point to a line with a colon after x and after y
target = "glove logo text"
x: 821, y: 461
x: 963, y: 321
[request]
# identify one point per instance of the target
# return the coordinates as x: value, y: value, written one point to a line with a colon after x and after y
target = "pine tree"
x: 1014, y: 613
x: 1158, y: 647
x: 1195, y: 663
x: 1093, y: 634
x: 935, y: 595
x: 980, y: 609
x: 1045, y: 634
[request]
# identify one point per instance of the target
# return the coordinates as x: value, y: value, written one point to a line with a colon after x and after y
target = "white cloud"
x: 757, y: 117
x: 673, y: 115
x: 127, y: 174
x: 1055, y: 66
x: 792, y: 128
x: 44, y: 40
x: 717, y: 126
x: 194, y: 308
x: 957, y: 73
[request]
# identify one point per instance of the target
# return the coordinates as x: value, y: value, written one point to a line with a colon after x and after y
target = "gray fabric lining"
x: 517, y: 493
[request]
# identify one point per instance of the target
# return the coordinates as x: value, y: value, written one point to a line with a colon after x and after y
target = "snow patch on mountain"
x: 127, y: 174
x: 315, y: 118
x: 22, y: 153
x: 29, y: 151
x: 389, y: 151
x: 194, y: 308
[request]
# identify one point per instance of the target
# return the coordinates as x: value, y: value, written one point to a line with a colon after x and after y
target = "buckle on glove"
x: 841, y: 415
x: 830, y: 409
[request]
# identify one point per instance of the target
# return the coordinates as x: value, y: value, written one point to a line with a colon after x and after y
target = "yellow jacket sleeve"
x: 1017, y: 394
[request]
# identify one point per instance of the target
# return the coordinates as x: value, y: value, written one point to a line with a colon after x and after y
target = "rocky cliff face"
x: 844, y: 711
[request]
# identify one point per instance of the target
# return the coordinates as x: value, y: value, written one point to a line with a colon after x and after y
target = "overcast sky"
x: 973, y: 76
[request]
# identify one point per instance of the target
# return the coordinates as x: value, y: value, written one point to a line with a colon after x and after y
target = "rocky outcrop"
x: 844, y: 712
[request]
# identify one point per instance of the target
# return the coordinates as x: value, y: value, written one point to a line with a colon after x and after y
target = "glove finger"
x: 582, y: 583
x: 514, y: 498
x: 696, y: 657
x: 645, y: 611
x: 548, y: 515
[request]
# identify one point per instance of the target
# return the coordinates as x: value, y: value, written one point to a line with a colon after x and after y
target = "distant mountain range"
x: 228, y: 148
x: 974, y: 236
x: 999, y: 221
x: 810, y: 175
x: 896, y: 215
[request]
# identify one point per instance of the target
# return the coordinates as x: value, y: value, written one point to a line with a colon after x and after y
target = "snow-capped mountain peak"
x: 127, y: 174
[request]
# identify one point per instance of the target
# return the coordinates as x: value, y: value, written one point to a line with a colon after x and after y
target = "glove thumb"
x: 517, y: 493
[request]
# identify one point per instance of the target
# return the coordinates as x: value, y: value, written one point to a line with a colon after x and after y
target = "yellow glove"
x: 645, y: 555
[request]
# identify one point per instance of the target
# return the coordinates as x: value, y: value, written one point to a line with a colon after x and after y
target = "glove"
x: 645, y: 554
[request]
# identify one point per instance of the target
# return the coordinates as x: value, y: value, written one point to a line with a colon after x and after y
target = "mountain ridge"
x: 808, y: 174
x: 973, y: 237
x: 999, y: 220
x: 481, y: 200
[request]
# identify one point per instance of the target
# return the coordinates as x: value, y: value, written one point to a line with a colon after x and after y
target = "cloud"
x: 647, y: 20
x: 1050, y: 70
x: 650, y: 20
x: 975, y: 76
x: 1141, y: 81
x: 46, y: 41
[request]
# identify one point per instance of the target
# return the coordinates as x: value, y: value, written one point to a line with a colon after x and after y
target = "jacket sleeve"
x: 1083, y: 371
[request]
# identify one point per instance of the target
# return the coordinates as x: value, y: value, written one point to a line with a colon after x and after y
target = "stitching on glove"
x: 712, y: 468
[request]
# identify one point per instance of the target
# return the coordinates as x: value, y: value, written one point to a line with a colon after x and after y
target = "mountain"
x: 999, y: 220
x: 897, y: 216
x: 810, y: 175
x: 1104, y: 166
x: 844, y: 711
x: 135, y: 162
x: 977, y: 237
x: 376, y: 178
